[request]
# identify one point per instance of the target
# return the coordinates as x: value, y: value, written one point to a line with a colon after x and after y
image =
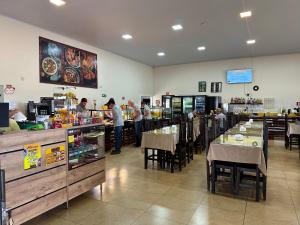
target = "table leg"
x: 265, y: 187
x: 172, y: 162
x: 146, y: 158
x: 257, y: 184
x: 213, y: 177
x: 208, y: 175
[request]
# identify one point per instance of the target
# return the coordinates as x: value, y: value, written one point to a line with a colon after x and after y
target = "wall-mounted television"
x: 239, y: 76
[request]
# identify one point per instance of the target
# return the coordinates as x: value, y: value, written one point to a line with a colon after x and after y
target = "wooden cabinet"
x: 34, y: 191
x: 83, y: 186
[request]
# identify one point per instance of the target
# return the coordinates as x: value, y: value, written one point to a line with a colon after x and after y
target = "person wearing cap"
x: 147, y: 116
x: 138, y: 117
x: 81, y: 107
x: 118, y: 124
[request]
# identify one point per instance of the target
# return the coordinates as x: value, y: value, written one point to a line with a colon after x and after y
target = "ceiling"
x: 213, y: 23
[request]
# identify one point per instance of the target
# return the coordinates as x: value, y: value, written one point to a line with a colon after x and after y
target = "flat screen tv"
x: 239, y: 76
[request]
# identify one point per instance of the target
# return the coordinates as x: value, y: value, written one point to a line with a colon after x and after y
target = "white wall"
x: 277, y: 76
x: 19, y: 66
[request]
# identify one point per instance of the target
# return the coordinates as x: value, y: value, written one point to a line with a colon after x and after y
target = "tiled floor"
x: 134, y: 196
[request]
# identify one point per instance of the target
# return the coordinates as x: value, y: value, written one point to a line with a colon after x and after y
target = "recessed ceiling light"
x: 57, y: 2
x: 245, y: 14
x: 126, y: 36
x: 251, y: 42
x: 177, y: 27
x: 161, y: 54
x: 201, y: 48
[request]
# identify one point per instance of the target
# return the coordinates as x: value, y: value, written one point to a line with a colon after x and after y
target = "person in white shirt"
x: 221, y: 117
x: 191, y: 115
x: 138, y: 117
x: 118, y: 124
x: 147, y: 116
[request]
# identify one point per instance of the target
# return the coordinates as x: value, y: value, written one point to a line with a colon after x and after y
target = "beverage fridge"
x: 176, y: 106
x: 187, y: 104
x: 200, y: 103
x: 167, y: 106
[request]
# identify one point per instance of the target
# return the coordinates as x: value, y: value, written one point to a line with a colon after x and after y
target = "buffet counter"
x: 44, y: 169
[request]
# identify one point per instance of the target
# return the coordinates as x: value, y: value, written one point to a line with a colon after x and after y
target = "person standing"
x: 81, y: 107
x: 147, y: 116
x: 138, y: 117
x: 118, y: 124
x: 221, y: 117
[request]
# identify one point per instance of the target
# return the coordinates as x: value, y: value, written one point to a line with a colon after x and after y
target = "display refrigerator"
x: 187, y: 104
x: 167, y: 106
x: 176, y: 106
x: 199, y: 103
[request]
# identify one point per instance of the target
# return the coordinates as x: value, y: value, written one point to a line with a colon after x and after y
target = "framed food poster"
x: 66, y: 65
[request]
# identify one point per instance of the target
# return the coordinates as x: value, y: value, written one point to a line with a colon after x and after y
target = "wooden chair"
x: 179, y: 158
x: 221, y: 168
x: 253, y: 172
x: 190, y: 142
x: 206, y: 144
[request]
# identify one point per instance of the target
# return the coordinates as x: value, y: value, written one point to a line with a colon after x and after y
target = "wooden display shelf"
x: 85, y: 185
x: 32, y: 192
x: 85, y: 171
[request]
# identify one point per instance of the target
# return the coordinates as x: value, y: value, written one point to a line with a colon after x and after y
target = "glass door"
x: 200, y: 104
x: 187, y: 105
x: 176, y: 106
x: 167, y: 106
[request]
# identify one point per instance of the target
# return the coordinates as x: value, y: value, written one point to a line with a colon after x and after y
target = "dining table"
x: 248, y: 149
x: 247, y: 132
x: 239, y: 147
x: 293, y: 131
x: 162, y: 139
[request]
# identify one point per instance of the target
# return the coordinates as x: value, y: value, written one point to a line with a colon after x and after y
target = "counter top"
x: 15, y: 140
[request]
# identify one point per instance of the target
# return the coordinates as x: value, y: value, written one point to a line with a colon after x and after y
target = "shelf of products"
x: 86, y: 144
x: 200, y: 104
x: 187, y: 105
x: 156, y: 112
x: 64, y: 105
x: 105, y: 113
x: 176, y: 106
x: 249, y: 101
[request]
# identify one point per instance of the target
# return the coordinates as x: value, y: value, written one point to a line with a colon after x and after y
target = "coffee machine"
x: 38, y: 112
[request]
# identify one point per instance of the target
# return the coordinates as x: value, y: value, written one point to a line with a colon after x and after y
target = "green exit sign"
x: 104, y: 95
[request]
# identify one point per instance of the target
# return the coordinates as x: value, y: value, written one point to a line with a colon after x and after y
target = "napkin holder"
x: 248, y: 125
x: 243, y: 129
x: 238, y: 137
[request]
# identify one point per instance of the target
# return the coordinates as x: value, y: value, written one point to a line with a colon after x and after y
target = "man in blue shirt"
x: 118, y: 124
